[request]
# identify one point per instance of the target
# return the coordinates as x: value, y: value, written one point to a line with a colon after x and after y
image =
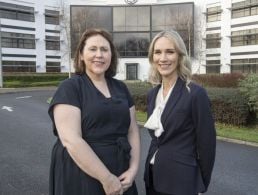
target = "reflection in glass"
x: 132, y: 44
x: 89, y: 17
x: 132, y: 26
x: 131, y: 18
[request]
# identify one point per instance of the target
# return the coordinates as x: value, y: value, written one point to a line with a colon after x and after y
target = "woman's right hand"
x: 112, y: 185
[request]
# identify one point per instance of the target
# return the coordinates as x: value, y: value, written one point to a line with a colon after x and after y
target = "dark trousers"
x: 150, y: 189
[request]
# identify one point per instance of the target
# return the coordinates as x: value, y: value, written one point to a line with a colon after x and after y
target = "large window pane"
x: 131, y: 18
x: 19, y: 66
x: 16, y: 12
x: 132, y: 44
x: 176, y: 16
x: 119, y: 18
x: 17, y: 40
x: 132, y: 26
x: 89, y: 17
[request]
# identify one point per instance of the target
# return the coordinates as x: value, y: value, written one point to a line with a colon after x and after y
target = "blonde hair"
x: 184, y: 64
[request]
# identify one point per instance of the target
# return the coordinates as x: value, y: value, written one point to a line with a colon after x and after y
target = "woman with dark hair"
x: 182, y: 151
x: 98, y: 146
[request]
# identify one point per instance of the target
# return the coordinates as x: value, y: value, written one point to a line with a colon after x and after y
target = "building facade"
x: 30, y: 37
x: 38, y: 36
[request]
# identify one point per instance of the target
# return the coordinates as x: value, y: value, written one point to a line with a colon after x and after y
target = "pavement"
x: 27, y: 89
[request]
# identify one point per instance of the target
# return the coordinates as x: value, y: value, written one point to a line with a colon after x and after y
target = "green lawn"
x: 13, y: 84
x: 241, y: 133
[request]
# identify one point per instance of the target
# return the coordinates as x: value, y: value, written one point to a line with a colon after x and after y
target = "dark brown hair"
x: 79, y: 64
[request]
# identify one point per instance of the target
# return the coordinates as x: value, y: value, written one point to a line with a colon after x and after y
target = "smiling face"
x: 165, y: 57
x: 96, y: 55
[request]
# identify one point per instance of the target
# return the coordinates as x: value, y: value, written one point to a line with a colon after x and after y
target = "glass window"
x: 175, y: 16
x: 244, y: 65
x: 51, y: 17
x: 19, y: 66
x: 213, y: 14
x: 132, y: 44
x: 88, y: 17
x: 131, y: 18
x: 18, y: 40
x: 165, y: 17
x: 131, y: 71
x: 132, y: 26
x: 213, y: 40
x: 244, y: 37
x: 16, y: 12
x: 244, y: 8
x: 53, y: 67
x: 52, y: 43
x: 212, y: 66
x: 119, y: 19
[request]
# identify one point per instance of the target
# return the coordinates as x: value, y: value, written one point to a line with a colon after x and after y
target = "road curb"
x: 26, y: 89
x: 223, y: 139
x: 237, y: 141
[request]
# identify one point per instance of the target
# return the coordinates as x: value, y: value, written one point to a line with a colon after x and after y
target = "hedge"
x: 33, y: 80
x: 228, y: 104
x: 219, y: 80
x: 249, y: 88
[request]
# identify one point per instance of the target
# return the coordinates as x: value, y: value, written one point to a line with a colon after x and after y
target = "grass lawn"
x: 13, y: 84
x: 241, y: 133
x: 249, y: 134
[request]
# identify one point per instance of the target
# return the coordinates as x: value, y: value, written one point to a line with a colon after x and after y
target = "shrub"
x: 139, y: 92
x: 33, y: 79
x: 249, y: 88
x: 228, y: 106
x: 219, y: 80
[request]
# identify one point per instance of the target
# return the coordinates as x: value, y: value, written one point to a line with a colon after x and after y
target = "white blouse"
x: 154, y: 121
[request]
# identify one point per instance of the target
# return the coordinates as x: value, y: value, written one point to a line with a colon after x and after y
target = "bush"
x: 219, y: 80
x: 228, y: 106
x: 139, y: 92
x: 32, y: 80
x: 249, y: 88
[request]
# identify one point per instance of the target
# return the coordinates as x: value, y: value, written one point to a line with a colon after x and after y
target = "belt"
x: 123, y: 146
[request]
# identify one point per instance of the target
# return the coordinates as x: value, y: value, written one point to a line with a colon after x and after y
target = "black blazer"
x: 186, y: 149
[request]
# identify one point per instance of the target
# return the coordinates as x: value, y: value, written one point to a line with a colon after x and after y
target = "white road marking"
x: 10, y: 109
x: 23, y: 97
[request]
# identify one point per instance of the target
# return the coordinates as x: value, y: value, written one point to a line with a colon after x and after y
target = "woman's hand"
x: 127, y: 179
x: 112, y: 185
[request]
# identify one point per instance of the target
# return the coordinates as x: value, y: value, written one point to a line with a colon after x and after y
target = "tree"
x: 65, y: 35
x: 200, y: 46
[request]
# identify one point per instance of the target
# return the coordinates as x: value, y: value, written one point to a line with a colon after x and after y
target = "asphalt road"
x: 26, y: 141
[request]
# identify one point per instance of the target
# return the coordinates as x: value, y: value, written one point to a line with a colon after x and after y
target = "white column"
x: 40, y: 36
x: 225, y: 36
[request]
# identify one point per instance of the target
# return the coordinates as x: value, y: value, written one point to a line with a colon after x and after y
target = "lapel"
x: 172, y: 100
x: 153, y: 99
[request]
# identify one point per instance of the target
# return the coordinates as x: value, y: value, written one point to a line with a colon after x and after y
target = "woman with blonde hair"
x: 182, y: 151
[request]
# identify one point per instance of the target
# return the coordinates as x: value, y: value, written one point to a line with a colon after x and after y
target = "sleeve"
x: 67, y: 93
x: 205, y: 134
x: 128, y: 96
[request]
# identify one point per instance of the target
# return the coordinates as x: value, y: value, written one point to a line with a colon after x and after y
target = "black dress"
x: 105, y: 123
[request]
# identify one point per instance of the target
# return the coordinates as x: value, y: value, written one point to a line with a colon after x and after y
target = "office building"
x: 221, y: 35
